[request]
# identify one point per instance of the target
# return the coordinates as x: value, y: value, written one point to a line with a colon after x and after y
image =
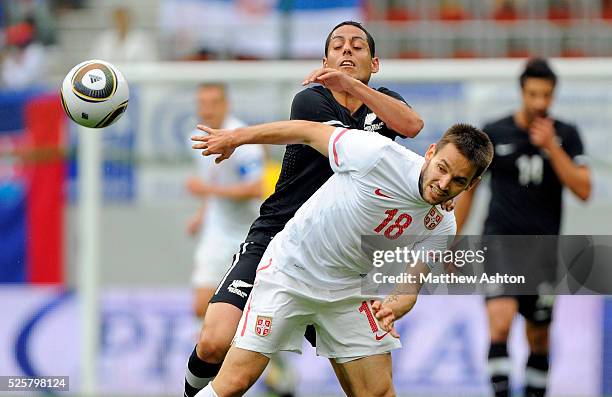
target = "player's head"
x: 455, y: 163
x: 537, y: 88
x: 122, y: 20
x: 350, y: 48
x: 211, y: 104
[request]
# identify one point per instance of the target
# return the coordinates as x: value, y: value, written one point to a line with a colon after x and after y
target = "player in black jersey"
x: 343, y: 99
x: 535, y: 157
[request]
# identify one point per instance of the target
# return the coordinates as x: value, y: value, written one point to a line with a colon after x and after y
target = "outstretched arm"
x: 223, y: 142
x: 239, y: 191
x: 396, y: 114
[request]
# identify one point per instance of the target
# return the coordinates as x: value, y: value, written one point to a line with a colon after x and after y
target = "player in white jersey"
x: 230, y: 194
x: 311, y: 272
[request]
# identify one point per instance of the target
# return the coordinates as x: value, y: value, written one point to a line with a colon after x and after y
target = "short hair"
x: 215, y: 84
x: 538, y: 68
x: 369, y: 37
x: 472, y: 143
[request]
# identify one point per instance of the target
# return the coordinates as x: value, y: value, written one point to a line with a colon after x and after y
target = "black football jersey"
x: 304, y: 169
x: 526, y: 194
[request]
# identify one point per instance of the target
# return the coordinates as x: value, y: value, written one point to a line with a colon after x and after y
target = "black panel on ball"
x: 112, y: 116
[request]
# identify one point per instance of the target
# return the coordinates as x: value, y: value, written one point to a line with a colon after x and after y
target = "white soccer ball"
x: 95, y: 94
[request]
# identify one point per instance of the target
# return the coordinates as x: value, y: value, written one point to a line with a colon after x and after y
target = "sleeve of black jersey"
x: 312, y: 106
x: 388, y: 132
x: 572, y: 144
x: 488, y: 129
x: 393, y: 94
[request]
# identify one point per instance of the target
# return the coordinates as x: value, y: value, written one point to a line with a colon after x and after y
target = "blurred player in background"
x: 312, y: 271
x: 23, y: 59
x: 535, y: 157
x: 229, y: 194
x: 343, y: 100
x: 123, y: 42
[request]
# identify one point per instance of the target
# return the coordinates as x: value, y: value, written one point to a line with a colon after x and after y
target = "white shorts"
x: 212, y: 258
x: 280, y: 307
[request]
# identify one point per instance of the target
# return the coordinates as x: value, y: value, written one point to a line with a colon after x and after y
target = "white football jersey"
x: 374, y: 191
x: 223, y: 216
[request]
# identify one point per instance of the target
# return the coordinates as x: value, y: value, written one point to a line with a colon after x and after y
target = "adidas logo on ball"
x: 96, y: 91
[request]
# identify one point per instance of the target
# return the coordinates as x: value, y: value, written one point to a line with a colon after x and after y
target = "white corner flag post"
x: 89, y: 188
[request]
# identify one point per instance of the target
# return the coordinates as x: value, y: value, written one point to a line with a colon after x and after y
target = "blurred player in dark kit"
x: 536, y: 156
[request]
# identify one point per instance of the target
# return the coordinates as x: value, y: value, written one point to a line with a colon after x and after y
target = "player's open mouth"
x: 436, y: 192
x: 347, y: 64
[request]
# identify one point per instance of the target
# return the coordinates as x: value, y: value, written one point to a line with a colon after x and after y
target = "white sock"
x: 208, y: 391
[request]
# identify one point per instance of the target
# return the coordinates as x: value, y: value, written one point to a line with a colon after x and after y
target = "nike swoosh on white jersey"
x: 378, y: 192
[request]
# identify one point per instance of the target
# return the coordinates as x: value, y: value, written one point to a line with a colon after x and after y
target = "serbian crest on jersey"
x: 433, y: 218
x: 263, y: 325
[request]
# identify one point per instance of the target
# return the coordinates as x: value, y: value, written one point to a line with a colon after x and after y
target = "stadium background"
x: 432, y: 52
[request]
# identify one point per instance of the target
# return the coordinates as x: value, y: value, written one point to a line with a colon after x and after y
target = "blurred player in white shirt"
x: 230, y: 194
x: 311, y: 272
x: 124, y: 43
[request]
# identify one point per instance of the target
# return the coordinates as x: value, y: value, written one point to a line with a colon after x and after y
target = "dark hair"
x: 538, y: 68
x: 472, y: 143
x: 369, y: 37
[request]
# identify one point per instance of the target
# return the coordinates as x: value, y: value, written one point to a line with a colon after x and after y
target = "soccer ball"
x: 94, y: 94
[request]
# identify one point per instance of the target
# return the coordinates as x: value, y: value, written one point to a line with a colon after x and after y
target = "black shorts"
x: 535, y: 258
x: 237, y: 283
x: 537, y: 309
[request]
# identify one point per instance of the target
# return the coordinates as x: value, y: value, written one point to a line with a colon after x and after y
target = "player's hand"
x: 194, y: 225
x: 197, y: 187
x: 385, y: 317
x: 448, y: 205
x: 216, y: 142
x: 542, y: 133
x: 333, y: 79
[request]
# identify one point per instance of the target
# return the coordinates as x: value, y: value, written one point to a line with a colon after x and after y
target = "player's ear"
x: 375, y: 64
x: 325, y: 62
x: 431, y: 150
x: 472, y: 184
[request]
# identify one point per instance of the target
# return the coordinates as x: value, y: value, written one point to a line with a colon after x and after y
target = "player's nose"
x: 444, y: 182
x: 540, y: 104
